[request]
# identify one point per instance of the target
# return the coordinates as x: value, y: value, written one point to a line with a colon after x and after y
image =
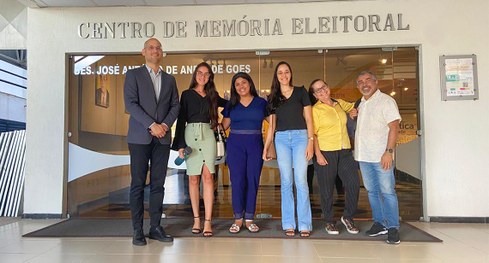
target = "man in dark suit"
x: 151, y: 98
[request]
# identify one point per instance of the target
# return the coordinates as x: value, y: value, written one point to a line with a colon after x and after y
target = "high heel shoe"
x: 207, y: 233
x: 195, y: 230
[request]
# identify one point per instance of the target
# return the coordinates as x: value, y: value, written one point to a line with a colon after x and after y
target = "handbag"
x: 271, y: 152
x: 220, y: 147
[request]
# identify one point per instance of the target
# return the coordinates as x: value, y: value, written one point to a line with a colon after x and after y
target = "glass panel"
x: 99, y: 173
x: 397, y: 72
x: 98, y: 126
x: 306, y: 66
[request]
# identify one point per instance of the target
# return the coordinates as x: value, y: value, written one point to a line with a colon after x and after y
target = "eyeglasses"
x: 320, y: 90
x: 204, y: 74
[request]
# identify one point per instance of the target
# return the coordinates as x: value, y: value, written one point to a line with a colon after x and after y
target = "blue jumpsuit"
x: 244, y: 154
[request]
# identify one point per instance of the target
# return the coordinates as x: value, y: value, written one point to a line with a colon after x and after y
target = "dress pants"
x: 244, y: 152
x: 153, y: 156
x: 342, y: 164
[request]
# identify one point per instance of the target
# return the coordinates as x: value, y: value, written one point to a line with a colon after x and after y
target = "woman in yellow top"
x: 333, y: 156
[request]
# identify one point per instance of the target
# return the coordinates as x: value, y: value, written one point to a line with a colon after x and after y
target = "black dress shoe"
x: 159, y: 234
x: 138, y: 238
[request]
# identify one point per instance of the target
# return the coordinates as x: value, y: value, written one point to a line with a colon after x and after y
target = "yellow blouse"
x: 330, y: 125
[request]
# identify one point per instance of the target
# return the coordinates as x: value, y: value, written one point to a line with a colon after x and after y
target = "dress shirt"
x: 156, y: 79
x: 374, y: 116
x: 330, y: 125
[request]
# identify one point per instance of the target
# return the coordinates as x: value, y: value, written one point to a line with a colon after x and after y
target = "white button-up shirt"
x: 374, y: 116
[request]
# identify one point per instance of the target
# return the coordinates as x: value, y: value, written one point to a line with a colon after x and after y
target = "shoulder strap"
x: 357, y: 103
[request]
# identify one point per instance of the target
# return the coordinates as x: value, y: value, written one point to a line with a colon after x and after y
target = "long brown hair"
x: 210, y: 91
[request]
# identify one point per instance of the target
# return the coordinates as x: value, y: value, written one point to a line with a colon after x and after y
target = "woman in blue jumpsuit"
x: 244, y: 113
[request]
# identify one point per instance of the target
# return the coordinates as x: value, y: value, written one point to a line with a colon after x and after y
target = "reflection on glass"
x: 98, y: 121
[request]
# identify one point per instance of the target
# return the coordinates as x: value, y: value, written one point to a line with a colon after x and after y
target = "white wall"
x: 455, y: 133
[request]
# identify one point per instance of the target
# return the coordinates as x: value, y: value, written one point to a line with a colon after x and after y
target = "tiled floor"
x: 461, y: 243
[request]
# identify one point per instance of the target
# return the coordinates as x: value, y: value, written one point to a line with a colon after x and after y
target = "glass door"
x: 98, y: 172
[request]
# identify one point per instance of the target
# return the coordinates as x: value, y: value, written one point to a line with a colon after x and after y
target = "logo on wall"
x: 244, y: 27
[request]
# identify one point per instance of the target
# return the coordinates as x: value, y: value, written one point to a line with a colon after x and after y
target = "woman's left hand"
x: 309, y: 150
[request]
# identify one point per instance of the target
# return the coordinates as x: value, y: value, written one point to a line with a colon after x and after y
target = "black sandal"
x: 195, y: 230
x: 207, y: 233
x: 289, y: 232
x: 305, y: 233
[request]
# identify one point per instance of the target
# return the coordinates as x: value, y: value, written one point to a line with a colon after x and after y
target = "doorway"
x: 98, y: 126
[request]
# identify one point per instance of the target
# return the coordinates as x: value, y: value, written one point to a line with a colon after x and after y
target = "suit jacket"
x: 140, y: 102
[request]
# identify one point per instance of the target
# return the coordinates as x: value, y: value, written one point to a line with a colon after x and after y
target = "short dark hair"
x: 365, y: 72
x: 311, y: 91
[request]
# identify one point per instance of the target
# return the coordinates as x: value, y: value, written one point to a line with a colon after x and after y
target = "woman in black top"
x: 291, y: 114
x: 195, y: 129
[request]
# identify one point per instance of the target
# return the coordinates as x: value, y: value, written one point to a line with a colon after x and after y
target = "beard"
x: 368, y: 91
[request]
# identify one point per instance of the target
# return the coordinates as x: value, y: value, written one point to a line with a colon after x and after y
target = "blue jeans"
x: 382, y: 196
x: 291, y: 153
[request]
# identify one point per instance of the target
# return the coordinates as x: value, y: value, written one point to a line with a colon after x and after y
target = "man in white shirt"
x: 375, y: 140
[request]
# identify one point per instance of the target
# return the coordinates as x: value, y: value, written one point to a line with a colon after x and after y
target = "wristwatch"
x: 389, y: 150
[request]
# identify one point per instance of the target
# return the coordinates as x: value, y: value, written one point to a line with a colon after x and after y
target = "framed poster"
x: 102, y: 90
x: 459, y: 77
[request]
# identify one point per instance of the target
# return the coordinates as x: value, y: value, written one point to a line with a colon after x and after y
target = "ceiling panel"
x: 65, y: 3
x: 219, y: 2
x: 169, y: 2
x: 270, y: 1
x: 119, y: 2
x: 99, y: 3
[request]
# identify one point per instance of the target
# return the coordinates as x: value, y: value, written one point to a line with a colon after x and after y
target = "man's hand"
x: 158, y: 130
x: 386, y: 160
x: 165, y: 127
x: 353, y: 113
